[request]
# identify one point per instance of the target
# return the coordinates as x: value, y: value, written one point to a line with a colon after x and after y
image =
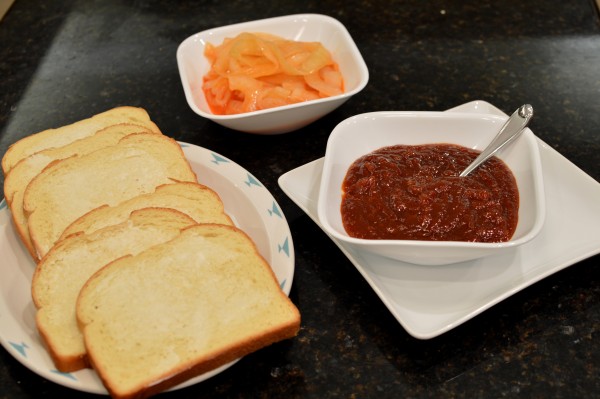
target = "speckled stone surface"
x: 64, y: 61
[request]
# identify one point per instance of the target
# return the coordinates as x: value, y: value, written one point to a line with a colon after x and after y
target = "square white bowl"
x: 193, y: 65
x: 362, y: 134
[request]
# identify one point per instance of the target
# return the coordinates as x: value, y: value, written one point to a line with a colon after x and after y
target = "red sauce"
x: 414, y: 193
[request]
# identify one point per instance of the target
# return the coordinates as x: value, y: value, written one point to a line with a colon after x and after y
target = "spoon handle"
x: 511, y: 129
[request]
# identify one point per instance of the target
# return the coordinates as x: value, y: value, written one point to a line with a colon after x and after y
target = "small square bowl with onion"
x: 330, y: 33
x: 362, y: 134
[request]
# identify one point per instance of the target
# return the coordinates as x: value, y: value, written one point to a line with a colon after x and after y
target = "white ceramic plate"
x: 428, y: 300
x: 246, y: 200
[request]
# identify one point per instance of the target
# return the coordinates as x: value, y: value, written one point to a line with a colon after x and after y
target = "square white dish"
x: 332, y: 34
x: 429, y: 301
x: 349, y: 141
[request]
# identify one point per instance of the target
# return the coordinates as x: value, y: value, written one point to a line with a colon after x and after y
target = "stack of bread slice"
x: 140, y: 273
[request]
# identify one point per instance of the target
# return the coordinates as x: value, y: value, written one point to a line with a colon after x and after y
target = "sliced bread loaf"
x: 60, y: 275
x: 19, y: 177
x: 69, y: 188
x: 66, y: 134
x: 196, y: 200
x: 180, y: 309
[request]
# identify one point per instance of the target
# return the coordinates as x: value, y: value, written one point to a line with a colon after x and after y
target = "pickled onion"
x: 255, y: 71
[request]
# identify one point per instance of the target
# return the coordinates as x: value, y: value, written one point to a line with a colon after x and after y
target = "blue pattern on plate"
x: 252, y: 181
x: 217, y: 159
x: 275, y: 210
x: 20, y: 348
x: 285, y: 247
x: 2, y: 204
x: 68, y: 375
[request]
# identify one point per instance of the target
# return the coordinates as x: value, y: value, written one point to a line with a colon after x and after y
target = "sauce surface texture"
x: 414, y: 193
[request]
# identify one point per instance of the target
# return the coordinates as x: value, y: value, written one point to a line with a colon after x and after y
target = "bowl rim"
x: 361, y: 65
x: 538, y: 188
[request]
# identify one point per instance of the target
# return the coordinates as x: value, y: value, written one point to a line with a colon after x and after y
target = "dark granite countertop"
x: 64, y: 61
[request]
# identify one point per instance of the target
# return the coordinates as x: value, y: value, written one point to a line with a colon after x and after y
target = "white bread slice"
x: 64, y: 135
x: 26, y: 169
x: 180, y: 309
x: 60, y: 275
x: 69, y: 188
x: 196, y: 200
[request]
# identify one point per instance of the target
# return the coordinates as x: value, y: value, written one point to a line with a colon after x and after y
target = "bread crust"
x: 196, y: 200
x: 280, y: 318
x: 68, y: 188
x: 24, y: 171
x: 64, y: 270
x: 60, y: 136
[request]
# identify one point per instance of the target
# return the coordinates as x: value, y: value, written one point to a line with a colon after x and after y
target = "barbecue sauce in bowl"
x: 405, y: 192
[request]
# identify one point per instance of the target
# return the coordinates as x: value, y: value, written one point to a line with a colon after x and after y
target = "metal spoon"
x: 510, y: 130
